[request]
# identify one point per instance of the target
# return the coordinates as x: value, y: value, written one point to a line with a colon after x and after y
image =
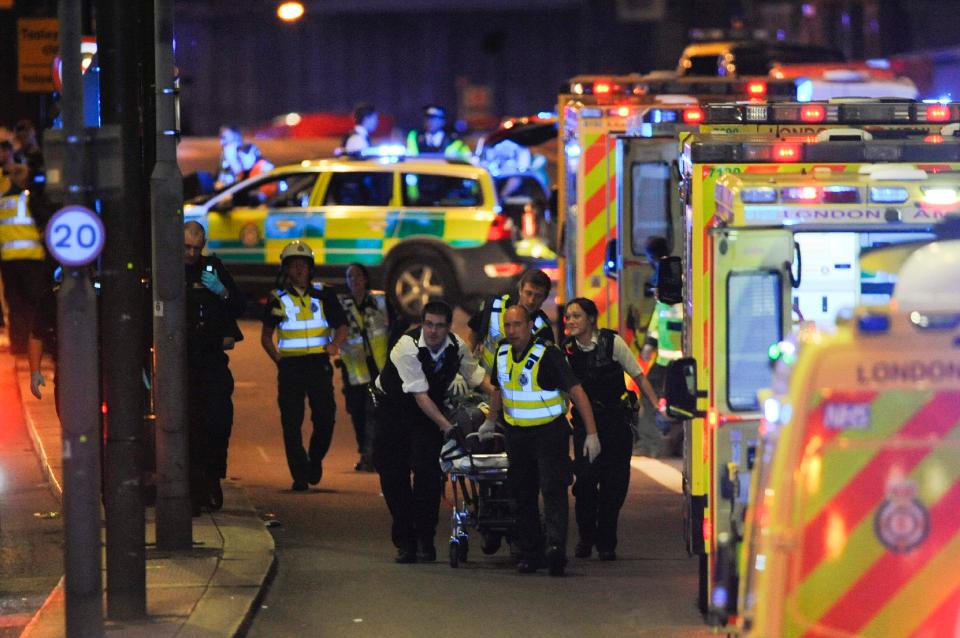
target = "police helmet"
x: 296, y: 248
x: 432, y: 110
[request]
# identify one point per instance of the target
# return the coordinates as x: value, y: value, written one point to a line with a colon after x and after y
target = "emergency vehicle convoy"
x: 424, y: 227
x: 853, y: 524
x: 774, y: 232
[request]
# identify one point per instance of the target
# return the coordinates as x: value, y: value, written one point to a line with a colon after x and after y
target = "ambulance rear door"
x: 649, y: 206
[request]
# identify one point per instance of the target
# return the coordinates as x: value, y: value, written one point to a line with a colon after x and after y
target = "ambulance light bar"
x: 638, y: 85
x: 888, y: 194
x: 940, y: 196
x: 845, y: 194
x: 719, y: 152
x: 865, y: 112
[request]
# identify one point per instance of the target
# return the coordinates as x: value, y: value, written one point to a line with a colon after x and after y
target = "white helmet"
x: 296, y: 248
x: 929, y: 280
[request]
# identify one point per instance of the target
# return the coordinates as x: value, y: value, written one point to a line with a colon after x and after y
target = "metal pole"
x: 124, y: 321
x: 174, y: 520
x: 78, y: 374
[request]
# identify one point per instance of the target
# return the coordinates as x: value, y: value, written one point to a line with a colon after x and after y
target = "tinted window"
x: 703, y: 65
x: 278, y: 191
x: 360, y: 189
x: 440, y: 190
x: 753, y: 325
x: 650, y: 200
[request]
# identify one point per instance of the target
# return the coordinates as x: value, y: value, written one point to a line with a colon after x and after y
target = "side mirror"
x: 610, y: 261
x: 680, y: 389
x: 670, y: 280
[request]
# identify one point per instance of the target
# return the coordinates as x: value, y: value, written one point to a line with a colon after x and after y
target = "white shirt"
x: 358, y: 141
x: 404, y: 356
x: 621, y: 354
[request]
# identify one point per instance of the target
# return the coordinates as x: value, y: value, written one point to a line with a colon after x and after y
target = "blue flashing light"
x: 545, y: 115
x: 720, y: 598
x: 384, y: 150
x: 804, y: 90
x: 873, y: 323
x: 572, y: 150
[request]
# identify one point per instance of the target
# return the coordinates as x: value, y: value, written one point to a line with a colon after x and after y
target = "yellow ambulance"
x: 854, y: 521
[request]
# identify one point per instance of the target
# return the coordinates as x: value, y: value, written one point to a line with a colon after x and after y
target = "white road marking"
x: 263, y: 454
x: 664, y: 474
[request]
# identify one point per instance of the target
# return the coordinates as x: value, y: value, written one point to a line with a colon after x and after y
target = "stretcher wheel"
x: 454, y: 554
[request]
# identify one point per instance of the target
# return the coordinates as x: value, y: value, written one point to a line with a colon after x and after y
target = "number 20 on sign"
x: 75, y: 236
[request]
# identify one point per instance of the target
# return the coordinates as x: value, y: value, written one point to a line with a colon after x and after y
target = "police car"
x: 425, y: 228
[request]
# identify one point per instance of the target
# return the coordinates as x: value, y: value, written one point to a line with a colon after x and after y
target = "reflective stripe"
x: 524, y: 402
x: 301, y: 343
x: 19, y: 243
x: 548, y: 412
x: 303, y: 331
x: 496, y: 331
x: 374, y: 322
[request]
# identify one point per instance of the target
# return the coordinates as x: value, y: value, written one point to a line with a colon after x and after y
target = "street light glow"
x: 290, y: 11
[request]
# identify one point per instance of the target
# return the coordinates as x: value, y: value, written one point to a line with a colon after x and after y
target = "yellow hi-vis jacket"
x: 496, y: 330
x: 665, y: 332
x: 305, y: 329
x: 524, y: 402
x: 19, y: 238
x: 368, y: 337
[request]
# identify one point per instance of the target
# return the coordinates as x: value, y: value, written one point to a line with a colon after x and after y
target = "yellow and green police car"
x: 425, y: 228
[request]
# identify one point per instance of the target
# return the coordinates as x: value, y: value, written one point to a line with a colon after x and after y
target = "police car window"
x: 650, y: 198
x: 754, y: 303
x: 360, y: 189
x: 278, y: 191
x: 420, y: 189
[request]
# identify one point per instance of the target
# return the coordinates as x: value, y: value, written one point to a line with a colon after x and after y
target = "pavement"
x: 209, y: 591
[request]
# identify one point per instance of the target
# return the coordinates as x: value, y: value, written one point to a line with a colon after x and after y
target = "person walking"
x: 365, y: 120
x: 21, y: 263
x: 411, y: 427
x: 486, y: 325
x: 311, y: 327
x: 530, y: 381
x: 435, y: 138
x: 599, y: 358
x: 214, y: 303
x: 364, y: 353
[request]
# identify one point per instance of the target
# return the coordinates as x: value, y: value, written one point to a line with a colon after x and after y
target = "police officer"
x: 365, y: 121
x: 435, y: 138
x: 411, y: 427
x: 599, y: 358
x: 311, y: 328
x: 214, y: 302
x: 364, y: 353
x: 530, y: 379
x: 21, y: 263
x: 486, y: 325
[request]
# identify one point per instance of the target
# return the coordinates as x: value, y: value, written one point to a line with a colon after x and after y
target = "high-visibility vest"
x: 19, y: 238
x: 451, y: 147
x: 666, y: 327
x: 305, y: 329
x: 496, y: 330
x: 525, y: 403
x: 372, y: 322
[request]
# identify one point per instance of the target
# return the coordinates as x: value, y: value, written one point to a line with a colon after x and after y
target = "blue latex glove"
x: 212, y: 282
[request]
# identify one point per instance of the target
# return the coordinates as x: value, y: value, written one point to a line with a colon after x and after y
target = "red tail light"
x: 938, y: 113
x: 757, y: 89
x: 707, y: 532
x: 812, y: 113
x: 501, y: 228
x: 786, y: 152
x: 934, y: 139
x: 692, y: 115
x: 601, y: 88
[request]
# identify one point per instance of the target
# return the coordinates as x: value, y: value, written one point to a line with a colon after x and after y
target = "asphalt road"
x: 336, y: 575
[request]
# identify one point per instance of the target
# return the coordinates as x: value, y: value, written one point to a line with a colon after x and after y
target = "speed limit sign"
x: 75, y: 235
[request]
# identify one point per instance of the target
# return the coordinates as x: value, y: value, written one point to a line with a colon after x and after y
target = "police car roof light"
x: 938, y: 113
x: 602, y: 88
x: 692, y: 115
x: 757, y: 89
x: 787, y: 152
x: 812, y: 113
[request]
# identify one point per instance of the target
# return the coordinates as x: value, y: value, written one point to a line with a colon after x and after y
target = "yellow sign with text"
x: 38, y: 42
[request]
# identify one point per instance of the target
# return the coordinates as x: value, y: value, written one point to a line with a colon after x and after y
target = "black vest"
x: 437, y: 379
x: 601, y: 376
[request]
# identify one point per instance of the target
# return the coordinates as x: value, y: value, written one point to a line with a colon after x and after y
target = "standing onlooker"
x: 365, y: 123
x: 27, y: 152
x: 435, y: 138
x: 214, y: 302
x: 486, y: 325
x: 230, y: 140
x: 311, y: 328
x: 530, y: 379
x: 21, y: 263
x: 252, y: 162
x: 599, y: 358
x: 411, y: 428
x: 364, y: 354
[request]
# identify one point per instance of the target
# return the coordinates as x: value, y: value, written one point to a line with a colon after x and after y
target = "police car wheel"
x: 415, y: 281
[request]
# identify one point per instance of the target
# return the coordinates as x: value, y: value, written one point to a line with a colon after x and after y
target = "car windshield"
x: 424, y: 189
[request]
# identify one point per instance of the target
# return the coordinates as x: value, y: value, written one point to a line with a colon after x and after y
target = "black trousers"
x: 601, y: 487
x: 210, y: 414
x: 307, y: 377
x: 23, y: 281
x: 407, y: 444
x: 539, y: 458
x: 355, y: 397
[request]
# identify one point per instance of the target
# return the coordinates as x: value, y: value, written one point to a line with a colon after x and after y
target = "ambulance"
x: 774, y: 232
x: 854, y: 519
x: 593, y: 111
